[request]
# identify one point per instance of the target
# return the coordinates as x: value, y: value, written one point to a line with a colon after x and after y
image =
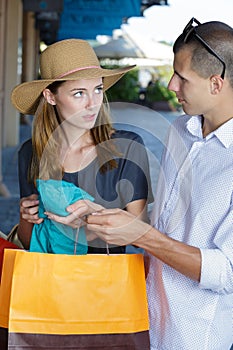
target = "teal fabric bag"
x: 53, y: 237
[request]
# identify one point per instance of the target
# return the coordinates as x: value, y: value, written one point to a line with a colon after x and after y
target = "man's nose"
x: 173, y: 84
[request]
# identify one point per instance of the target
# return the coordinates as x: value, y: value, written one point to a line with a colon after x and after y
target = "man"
x: 190, y: 246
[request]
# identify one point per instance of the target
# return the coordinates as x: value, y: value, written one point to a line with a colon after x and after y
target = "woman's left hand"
x: 78, y: 213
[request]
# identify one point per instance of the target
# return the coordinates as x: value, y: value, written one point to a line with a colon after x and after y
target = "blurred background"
x: 125, y: 32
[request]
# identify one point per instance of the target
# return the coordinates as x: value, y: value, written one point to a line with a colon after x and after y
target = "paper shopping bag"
x: 5, y: 293
x: 4, y: 244
x: 78, y: 302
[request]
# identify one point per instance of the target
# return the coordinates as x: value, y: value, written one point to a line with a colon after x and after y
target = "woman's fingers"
x: 70, y: 220
x: 29, y: 207
x: 83, y: 207
x: 78, y: 213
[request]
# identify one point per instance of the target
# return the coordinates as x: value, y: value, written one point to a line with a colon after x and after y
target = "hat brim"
x: 25, y: 97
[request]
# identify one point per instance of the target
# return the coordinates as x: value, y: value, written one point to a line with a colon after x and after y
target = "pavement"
x: 150, y: 124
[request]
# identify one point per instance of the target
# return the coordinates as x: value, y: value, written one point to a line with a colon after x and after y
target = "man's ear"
x: 216, y: 84
x: 49, y: 96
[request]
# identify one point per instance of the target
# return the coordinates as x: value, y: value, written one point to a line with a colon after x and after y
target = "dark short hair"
x: 219, y: 37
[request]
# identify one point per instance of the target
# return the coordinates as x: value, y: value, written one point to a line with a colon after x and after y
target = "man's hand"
x: 116, y: 226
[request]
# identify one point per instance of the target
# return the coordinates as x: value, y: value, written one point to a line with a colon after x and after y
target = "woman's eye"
x: 78, y: 93
x: 99, y: 90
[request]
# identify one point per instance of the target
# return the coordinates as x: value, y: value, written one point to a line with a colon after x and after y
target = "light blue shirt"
x: 194, y: 204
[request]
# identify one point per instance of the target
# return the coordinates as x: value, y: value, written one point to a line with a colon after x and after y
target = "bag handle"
x: 76, y: 242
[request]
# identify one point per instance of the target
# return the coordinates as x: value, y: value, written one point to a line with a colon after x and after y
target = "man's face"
x: 192, y: 91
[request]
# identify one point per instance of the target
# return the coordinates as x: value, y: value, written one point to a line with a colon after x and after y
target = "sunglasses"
x: 190, y: 30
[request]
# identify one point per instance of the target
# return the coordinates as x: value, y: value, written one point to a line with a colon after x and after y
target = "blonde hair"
x: 47, y: 135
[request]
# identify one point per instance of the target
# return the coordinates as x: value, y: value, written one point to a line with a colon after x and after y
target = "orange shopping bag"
x: 4, y: 244
x: 78, y: 302
x: 5, y: 293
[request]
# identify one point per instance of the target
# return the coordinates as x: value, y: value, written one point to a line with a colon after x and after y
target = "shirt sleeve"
x: 24, y: 157
x: 217, y: 264
x: 134, y: 176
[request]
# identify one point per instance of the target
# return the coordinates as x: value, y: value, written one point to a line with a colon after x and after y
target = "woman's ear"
x: 216, y: 84
x: 49, y: 96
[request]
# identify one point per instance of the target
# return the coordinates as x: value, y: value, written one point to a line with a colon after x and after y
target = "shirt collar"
x: 194, y: 126
x: 224, y: 133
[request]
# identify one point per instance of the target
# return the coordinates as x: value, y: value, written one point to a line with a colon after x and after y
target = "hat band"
x: 76, y: 70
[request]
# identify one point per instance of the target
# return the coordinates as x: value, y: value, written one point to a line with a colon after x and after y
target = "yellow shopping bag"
x: 76, y: 302
x: 5, y: 293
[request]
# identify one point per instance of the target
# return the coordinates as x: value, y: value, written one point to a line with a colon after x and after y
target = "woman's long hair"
x: 47, y: 136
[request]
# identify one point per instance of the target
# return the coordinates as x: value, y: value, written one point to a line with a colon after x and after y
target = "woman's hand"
x: 29, y: 207
x: 78, y: 213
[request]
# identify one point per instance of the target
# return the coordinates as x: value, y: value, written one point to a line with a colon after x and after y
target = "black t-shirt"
x: 113, y: 188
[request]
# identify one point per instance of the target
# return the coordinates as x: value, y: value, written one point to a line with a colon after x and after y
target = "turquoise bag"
x: 51, y: 236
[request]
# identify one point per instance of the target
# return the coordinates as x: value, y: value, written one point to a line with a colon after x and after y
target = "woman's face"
x: 78, y: 101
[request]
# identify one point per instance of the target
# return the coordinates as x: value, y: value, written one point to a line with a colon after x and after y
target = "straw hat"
x: 70, y: 59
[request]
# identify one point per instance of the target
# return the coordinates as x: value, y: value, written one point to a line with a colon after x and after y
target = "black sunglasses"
x: 190, y: 30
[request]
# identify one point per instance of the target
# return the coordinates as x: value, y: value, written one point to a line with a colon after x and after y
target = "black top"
x: 114, y: 188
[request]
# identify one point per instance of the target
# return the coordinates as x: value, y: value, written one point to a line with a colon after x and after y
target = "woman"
x: 73, y: 139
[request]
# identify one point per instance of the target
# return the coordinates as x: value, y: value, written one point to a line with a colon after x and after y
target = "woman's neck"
x: 77, y: 151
